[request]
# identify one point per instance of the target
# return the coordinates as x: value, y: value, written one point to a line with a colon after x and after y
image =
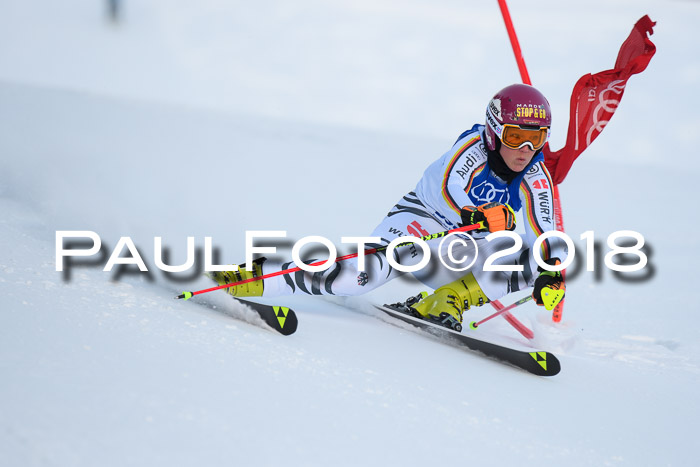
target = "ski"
x: 279, y: 318
x: 539, y: 363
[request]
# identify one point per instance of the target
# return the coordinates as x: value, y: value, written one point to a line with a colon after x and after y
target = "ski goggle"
x: 515, y: 137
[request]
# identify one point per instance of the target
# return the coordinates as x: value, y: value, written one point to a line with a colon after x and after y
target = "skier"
x: 490, y: 172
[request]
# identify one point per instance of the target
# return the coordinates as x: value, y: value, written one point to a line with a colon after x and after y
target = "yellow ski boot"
x: 446, y: 305
x: 249, y: 289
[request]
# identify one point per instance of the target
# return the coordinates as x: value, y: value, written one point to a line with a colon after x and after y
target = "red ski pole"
x: 475, y: 324
x: 513, y: 321
x: 466, y: 228
x: 520, y: 327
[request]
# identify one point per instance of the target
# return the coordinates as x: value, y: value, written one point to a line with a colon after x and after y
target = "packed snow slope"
x: 211, y: 120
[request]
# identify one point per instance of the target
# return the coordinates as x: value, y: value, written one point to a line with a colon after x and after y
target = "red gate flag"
x: 596, y: 97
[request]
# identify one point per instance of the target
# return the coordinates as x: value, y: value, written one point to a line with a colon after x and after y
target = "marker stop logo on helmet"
x: 518, y: 115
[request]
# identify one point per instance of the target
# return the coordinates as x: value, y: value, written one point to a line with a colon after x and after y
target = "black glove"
x: 549, y: 286
x: 493, y: 217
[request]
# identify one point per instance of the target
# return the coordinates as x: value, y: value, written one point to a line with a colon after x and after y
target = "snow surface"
x: 211, y: 118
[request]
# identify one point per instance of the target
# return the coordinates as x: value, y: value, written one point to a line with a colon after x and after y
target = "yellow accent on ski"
x: 541, y: 358
x: 281, y: 312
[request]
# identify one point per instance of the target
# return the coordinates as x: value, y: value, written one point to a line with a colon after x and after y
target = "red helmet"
x: 518, y: 115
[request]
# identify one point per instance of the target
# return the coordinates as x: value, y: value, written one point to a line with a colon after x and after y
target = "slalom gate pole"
x: 514, y: 42
x: 475, y: 324
x: 559, y: 219
x: 520, y: 327
x: 466, y: 228
x: 513, y: 321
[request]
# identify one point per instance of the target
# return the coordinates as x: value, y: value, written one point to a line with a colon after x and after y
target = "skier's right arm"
x: 493, y: 217
x: 446, y: 183
x: 454, y: 174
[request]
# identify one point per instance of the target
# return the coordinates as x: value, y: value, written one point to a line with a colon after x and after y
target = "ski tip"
x: 547, y: 364
x: 286, y: 319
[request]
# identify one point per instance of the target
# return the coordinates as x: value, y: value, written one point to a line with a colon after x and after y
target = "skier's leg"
x: 464, y: 289
x: 408, y: 218
x: 497, y: 284
x: 447, y: 304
